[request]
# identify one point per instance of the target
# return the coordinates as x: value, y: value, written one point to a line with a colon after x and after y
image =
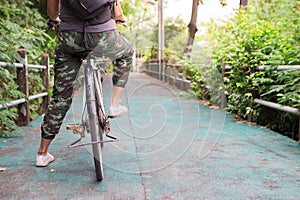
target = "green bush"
x: 21, y: 26
x: 266, y: 34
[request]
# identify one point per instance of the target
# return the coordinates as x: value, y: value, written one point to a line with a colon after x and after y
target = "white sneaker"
x: 117, y: 111
x: 43, y: 161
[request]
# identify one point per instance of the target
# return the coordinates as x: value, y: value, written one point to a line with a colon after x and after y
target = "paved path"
x: 170, y: 147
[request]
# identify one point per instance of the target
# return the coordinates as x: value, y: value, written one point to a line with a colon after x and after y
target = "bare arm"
x: 53, y: 9
x: 119, y: 16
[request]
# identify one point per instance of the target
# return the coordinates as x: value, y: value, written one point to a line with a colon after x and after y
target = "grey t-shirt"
x: 69, y: 22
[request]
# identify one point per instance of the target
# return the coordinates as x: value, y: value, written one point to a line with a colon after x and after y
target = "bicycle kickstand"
x: 77, y: 129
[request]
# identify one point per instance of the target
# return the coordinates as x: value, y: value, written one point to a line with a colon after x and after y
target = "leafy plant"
x: 286, y: 90
x: 266, y: 34
x: 21, y: 26
x: 8, y: 90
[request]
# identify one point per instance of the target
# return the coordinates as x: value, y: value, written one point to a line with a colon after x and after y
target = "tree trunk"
x: 243, y: 3
x: 192, y: 26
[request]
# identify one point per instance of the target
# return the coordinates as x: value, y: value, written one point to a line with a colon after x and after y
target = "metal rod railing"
x: 22, y: 81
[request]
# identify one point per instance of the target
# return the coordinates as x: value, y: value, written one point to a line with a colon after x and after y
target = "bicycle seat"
x: 81, y: 54
x: 87, y: 54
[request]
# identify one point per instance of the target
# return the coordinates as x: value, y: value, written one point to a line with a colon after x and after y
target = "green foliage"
x: 286, y: 89
x: 7, y: 117
x: 260, y: 36
x: 205, y: 80
x: 142, y: 29
x: 138, y: 30
x: 173, y: 28
x: 175, y: 38
x: 21, y: 26
x: 8, y: 91
x: 267, y: 33
x: 175, y: 32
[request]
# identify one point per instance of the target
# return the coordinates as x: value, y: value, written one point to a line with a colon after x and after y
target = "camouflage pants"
x: 109, y: 44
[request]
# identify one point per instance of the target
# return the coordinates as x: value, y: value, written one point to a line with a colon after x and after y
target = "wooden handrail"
x: 22, y: 81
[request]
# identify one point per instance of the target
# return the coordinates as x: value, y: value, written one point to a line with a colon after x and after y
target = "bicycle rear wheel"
x: 95, y: 128
x: 100, y: 104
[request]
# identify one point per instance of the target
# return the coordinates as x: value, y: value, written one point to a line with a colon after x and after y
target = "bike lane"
x: 170, y: 147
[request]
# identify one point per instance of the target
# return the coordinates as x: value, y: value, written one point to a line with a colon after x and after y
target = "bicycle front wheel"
x: 95, y: 128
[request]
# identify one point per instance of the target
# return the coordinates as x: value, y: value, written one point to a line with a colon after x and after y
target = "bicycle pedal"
x: 73, y: 127
x: 76, y: 128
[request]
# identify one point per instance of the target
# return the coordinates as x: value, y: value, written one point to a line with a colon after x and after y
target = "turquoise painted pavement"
x: 170, y: 147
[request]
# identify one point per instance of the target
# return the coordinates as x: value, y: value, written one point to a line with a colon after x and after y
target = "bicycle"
x: 94, y: 119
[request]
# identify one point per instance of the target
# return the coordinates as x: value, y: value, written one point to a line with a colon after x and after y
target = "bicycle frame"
x: 92, y: 89
x: 96, y: 121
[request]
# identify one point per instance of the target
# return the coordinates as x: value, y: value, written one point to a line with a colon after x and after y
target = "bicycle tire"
x: 101, y: 129
x: 95, y: 127
x: 100, y: 105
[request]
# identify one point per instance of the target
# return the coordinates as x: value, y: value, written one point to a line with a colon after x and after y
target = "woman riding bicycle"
x: 76, y: 36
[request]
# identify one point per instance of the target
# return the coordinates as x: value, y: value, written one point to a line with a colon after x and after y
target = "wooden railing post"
x: 22, y: 81
x: 45, y: 75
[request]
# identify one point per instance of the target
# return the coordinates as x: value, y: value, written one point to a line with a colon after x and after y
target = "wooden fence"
x: 22, y: 81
